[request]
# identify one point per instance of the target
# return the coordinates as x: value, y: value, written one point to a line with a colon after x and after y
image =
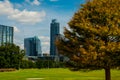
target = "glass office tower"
x: 33, y: 46
x: 54, y: 32
x: 6, y: 34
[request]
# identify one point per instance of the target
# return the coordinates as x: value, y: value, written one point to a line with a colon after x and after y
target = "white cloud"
x: 28, y: 16
x: 44, y: 38
x: 19, y: 43
x: 45, y: 49
x: 16, y: 29
x: 22, y: 46
x: 6, y: 8
x: 25, y: 16
x: 53, y: 0
x: 45, y: 42
x: 34, y: 2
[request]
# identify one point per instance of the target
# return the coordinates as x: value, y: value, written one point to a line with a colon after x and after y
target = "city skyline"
x: 32, y: 17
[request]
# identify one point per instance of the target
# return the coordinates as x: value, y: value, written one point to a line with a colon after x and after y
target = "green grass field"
x: 56, y: 74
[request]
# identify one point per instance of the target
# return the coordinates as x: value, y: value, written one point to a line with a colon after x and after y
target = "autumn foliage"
x: 93, y: 38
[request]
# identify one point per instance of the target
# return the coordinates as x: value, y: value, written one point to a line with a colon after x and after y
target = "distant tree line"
x: 25, y: 64
x: 11, y: 56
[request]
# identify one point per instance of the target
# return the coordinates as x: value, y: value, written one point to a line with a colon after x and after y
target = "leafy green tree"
x: 24, y: 64
x: 31, y: 64
x: 27, y: 64
x: 10, y: 56
x: 93, y: 38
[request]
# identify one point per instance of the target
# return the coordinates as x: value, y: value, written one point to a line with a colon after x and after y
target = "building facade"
x: 54, y: 32
x: 6, y: 34
x: 88, y: 0
x: 33, y: 47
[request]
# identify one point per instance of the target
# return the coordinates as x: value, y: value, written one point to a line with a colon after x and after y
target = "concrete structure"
x: 6, y: 34
x: 33, y: 47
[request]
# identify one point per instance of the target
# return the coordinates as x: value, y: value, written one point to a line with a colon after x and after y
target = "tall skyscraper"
x: 88, y: 0
x: 6, y: 34
x: 33, y: 46
x: 54, y: 32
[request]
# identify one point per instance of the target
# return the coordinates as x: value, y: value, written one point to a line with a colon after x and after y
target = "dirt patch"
x: 7, y: 69
x: 35, y: 78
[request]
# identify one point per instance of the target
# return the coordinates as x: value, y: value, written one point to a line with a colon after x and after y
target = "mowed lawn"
x: 56, y: 74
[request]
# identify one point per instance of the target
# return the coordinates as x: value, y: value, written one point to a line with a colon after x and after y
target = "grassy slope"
x: 57, y: 74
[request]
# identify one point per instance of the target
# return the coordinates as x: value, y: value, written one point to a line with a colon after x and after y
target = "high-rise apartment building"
x: 54, y: 32
x: 6, y: 34
x: 33, y: 47
x: 88, y: 0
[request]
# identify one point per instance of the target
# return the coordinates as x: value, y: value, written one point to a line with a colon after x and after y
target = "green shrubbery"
x: 10, y: 56
x: 25, y: 64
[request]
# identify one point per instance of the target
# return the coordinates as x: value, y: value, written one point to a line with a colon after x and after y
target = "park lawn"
x: 56, y: 74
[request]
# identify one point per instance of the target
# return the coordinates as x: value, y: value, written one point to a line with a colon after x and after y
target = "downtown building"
x: 32, y: 47
x: 55, y: 35
x: 54, y: 32
x: 88, y: 0
x: 6, y: 34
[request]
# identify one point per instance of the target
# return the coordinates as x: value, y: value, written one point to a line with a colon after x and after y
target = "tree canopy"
x: 10, y: 56
x: 93, y: 38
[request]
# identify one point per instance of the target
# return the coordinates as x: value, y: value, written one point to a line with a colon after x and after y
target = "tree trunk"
x: 107, y: 74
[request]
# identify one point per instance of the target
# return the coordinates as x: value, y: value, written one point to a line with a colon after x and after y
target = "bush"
x: 25, y: 64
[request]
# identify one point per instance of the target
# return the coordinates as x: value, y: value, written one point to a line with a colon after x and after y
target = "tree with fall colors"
x: 93, y: 38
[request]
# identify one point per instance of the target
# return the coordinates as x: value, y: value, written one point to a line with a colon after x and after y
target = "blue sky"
x: 33, y: 17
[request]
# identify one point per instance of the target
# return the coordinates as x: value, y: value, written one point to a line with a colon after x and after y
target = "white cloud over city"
x: 34, y: 2
x: 45, y: 42
x: 16, y: 30
x: 24, y: 16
